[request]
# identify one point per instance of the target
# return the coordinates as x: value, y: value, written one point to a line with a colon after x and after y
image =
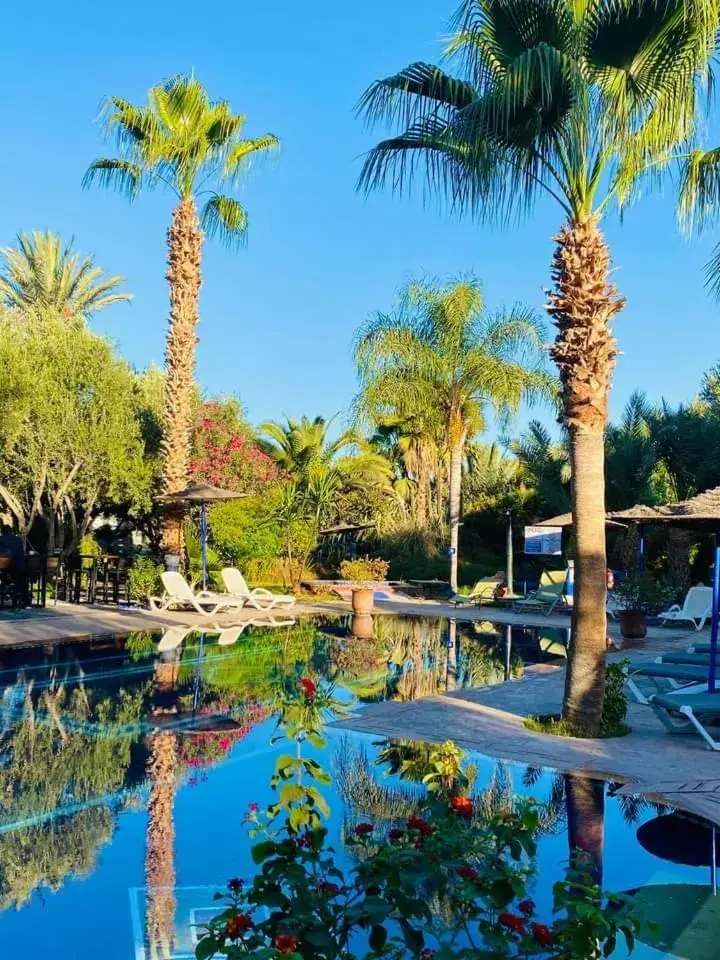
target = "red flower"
x: 512, y: 922
x: 238, y: 925
x: 309, y: 688
x: 527, y: 907
x: 395, y: 834
x: 541, y: 934
x: 463, y: 805
x: 253, y: 807
x: 235, y: 885
x: 304, y: 841
x: 417, y: 823
x: 363, y: 829
x: 329, y: 889
x: 467, y: 872
x: 286, y: 943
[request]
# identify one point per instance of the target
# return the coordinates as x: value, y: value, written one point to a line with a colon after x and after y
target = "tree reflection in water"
x: 160, y: 845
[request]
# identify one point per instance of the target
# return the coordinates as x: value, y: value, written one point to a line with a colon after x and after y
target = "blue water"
x: 73, y: 856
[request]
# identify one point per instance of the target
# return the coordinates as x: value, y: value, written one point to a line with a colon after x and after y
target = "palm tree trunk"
x: 160, y: 846
x: 585, y: 800
x: 184, y: 265
x: 583, y: 305
x: 455, y: 483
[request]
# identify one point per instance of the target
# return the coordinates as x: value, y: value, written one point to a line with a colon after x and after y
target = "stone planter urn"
x: 633, y: 624
x: 361, y: 626
x: 362, y: 599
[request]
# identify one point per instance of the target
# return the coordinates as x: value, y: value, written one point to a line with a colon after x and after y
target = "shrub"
x: 144, y: 579
x: 615, y: 703
x: 364, y: 571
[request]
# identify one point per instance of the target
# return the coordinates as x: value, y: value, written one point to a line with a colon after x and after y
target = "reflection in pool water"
x: 125, y: 775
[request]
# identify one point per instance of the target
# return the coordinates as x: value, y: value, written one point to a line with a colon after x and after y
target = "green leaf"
x: 291, y: 792
x: 318, y: 937
x: 205, y: 949
x: 261, y: 851
x: 378, y: 938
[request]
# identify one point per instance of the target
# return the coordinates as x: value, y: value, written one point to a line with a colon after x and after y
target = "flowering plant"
x: 364, y: 572
x: 447, y: 882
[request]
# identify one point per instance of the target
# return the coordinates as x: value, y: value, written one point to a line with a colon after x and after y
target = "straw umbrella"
x: 701, y: 511
x: 202, y: 494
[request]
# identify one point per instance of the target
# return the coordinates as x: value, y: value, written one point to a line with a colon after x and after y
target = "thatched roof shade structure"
x: 641, y: 514
x: 704, y: 508
x: 565, y: 520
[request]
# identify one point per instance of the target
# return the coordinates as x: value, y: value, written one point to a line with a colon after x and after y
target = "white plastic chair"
x: 259, y: 597
x: 696, y: 608
x: 178, y: 592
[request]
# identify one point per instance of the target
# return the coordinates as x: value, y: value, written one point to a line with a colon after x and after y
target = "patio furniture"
x: 664, y: 676
x: 482, y: 592
x: 549, y: 594
x: 696, y: 608
x: 178, y: 592
x: 259, y: 597
x: 173, y: 638
x: 687, y: 711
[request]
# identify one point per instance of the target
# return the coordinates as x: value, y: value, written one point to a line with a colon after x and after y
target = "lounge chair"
x: 664, y: 676
x: 178, y: 592
x: 482, y: 592
x: 685, y: 711
x: 173, y: 638
x: 696, y: 659
x: 612, y: 606
x: 259, y: 597
x: 696, y: 608
x: 550, y: 593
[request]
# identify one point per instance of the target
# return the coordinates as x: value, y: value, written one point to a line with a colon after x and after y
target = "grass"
x: 555, y: 725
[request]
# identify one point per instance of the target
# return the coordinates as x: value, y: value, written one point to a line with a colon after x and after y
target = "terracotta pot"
x: 362, y: 599
x: 361, y: 626
x: 633, y: 624
x: 5, y: 562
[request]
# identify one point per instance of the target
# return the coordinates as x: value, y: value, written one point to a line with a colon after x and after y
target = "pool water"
x: 125, y: 776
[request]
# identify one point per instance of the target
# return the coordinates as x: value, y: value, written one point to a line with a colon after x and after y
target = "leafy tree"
x: 41, y: 274
x: 545, y: 469
x: 68, y: 427
x: 573, y: 102
x: 186, y: 142
x: 440, y: 350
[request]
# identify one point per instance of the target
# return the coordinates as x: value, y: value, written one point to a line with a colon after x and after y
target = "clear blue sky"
x: 278, y: 318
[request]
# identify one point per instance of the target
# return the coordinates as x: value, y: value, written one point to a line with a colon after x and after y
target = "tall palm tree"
x: 571, y: 101
x: 190, y: 144
x: 410, y: 442
x: 441, y: 351
x: 42, y: 274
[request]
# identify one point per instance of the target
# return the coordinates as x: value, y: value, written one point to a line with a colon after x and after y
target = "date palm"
x: 441, y: 351
x: 191, y: 145
x: 41, y: 274
x: 571, y: 101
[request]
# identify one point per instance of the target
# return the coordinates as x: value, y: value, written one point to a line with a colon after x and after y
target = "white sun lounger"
x: 696, y: 608
x: 259, y: 598
x: 178, y: 592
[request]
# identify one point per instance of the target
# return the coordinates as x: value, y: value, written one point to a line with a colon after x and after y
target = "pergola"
x: 701, y: 511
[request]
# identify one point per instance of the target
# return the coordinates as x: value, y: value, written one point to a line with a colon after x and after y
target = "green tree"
x: 442, y: 351
x: 544, y: 467
x: 186, y: 142
x: 69, y: 429
x: 41, y: 274
x: 572, y: 102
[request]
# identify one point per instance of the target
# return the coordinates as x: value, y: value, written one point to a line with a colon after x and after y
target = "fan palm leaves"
x: 42, y: 274
x: 441, y: 351
x: 576, y: 102
x: 183, y: 141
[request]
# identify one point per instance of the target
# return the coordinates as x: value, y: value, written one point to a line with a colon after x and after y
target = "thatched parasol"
x: 566, y: 520
x: 202, y: 494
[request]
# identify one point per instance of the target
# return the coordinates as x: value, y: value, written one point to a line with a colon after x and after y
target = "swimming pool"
x: 125, y: 775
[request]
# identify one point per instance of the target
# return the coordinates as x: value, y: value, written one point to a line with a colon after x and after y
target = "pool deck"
x: 488, y: 720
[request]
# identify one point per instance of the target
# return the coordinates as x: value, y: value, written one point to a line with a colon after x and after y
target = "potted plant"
x: 364, y: 576
x: 638, y: 595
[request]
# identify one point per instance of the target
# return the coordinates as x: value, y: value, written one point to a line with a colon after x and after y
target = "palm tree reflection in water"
x: 160, y: 846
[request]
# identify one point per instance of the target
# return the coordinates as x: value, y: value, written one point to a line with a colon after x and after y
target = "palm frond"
x: 120, y: 175
x: 226, y: 218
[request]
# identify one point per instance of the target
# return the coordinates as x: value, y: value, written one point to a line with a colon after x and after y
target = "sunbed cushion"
x: 671, y: 671
x: 701, y: 703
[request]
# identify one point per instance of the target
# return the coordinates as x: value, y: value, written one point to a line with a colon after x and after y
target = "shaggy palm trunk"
x: 184, y: 261
x: 583, y: 305
x: 585, y: 799
x: 455, y: 483
x: 160, y: 846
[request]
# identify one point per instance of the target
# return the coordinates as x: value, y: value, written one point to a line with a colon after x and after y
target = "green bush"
x: 364, y: 571
x: 144, y: 579
x: 615, y: 703
x: 244, y: 534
